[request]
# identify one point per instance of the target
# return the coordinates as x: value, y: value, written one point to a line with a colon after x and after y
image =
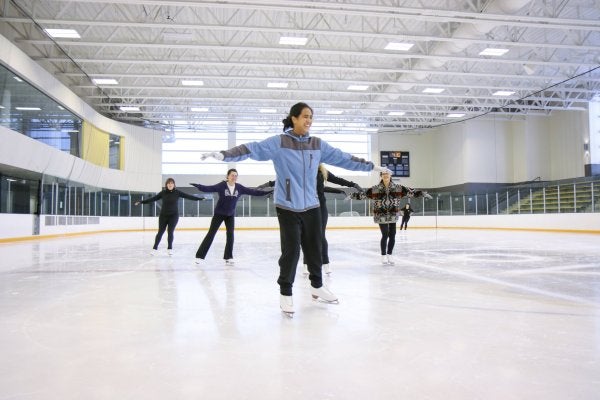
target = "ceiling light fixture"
x: 399, y: 46
x: 105, y: 81
x: 267, y: 110
x: 503, y: 93
x: 277, y: 85
x: 433, y: 90
x: 18, y: 79
x: 455, y: 115
x: 192, y: 83
x: 28, y: 108
x: 199, y: 109
x: 358, y: 87
x: 293, y: 40
x: 129, y: 108
x: 396, y: 113
x: 493, y: 52
x: 334, y: 112
x: 63, y: 33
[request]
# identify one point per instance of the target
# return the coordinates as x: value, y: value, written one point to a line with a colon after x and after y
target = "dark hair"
x: 231, y: 170
x: 295, y: 111
x: 169, y: 180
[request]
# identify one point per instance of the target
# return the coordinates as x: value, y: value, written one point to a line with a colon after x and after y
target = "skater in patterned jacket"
x: 229, y: 193
x: 169, y: 212
x: 386, y: 209
x: 296, y: 156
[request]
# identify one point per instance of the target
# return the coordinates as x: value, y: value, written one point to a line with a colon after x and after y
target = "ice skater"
x: 169, y: 212
x: 386, y: 208
x: 406, y: 211
x: 296, y: 157
x: 229, y: 193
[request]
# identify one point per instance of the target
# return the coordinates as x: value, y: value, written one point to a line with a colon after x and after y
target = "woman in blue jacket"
x: 296, y: 157
x: 229, y: 193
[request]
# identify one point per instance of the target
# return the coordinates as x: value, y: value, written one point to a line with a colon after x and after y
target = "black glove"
x: 266, y: 185
x: 357, y: 187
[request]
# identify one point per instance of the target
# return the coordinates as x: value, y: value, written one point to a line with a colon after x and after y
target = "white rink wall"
x: 20, y: 226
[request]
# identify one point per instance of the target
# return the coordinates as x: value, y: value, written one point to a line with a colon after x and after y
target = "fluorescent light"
x: 63, y: 33
x: 433, y: 90
x: 503, y: 93
x: 334, y: 112
x: 399, y: 46
x: 129, y: 108
x: 18, y: 79
x: 358, y: 87
x: 60, y: 107
x: 199, y: 109
x: 396, y: 113
x: 455, y: 115
x: 28, y: 108
x: 192, y: 83
x: 278, y: 85
x: 293, y: 40
x: 1, y: 106
x: 267, y: 110
x: 105, y: 81
x: 371, y: 129
x: 493, y: 52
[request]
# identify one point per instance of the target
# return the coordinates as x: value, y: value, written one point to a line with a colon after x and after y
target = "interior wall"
x: 142, y: 156
x: 568, y: 132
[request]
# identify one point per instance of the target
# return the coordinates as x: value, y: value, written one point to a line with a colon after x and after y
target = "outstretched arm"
x: 252, y: 192
x: 189, y: 196
x: 207, y: 188
x: 341, y: 181
x: 156, y: 197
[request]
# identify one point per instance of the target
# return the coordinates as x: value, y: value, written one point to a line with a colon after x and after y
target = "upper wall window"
x: 114, y: 152
x: 25, y: 109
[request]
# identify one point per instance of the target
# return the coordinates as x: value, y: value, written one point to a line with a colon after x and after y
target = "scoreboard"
x: 396, y: 161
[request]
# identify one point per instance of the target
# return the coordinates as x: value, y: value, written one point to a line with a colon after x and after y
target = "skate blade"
x: 288, y: 314
x: 322, y: 300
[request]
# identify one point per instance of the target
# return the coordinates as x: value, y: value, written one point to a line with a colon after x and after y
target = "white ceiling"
x: 149, y: 47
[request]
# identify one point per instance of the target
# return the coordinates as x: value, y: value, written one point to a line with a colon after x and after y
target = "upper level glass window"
x: 25, y: 109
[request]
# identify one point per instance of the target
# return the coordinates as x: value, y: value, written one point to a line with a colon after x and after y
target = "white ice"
x: 473, y: 314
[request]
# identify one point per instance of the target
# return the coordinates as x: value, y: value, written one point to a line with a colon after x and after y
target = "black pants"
x: 215, y: 223
x: 165, y: 221
x: 404, y: 221
x: 299, y: 230
x: 324, y: 244
x: 388, y: 238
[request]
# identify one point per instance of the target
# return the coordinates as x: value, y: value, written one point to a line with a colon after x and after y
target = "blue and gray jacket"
x: 296, y: 160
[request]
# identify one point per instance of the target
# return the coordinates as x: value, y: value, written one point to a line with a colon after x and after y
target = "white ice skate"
x: 390, y: 259
x: 154, y: 252
x: 199, y: 261
x: 326, y: 269
x: 305, y: 269
x: 286, y: 303
x: 230, y: 262
x: 384, y: 260
x: 170, y: 252
x: 323, y: 294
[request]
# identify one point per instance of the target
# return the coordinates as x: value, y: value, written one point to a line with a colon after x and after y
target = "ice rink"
x: 463, y: 314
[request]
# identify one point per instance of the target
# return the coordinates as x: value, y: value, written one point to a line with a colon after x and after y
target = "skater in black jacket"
x: 406, y: 211
x: 169, y: 212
